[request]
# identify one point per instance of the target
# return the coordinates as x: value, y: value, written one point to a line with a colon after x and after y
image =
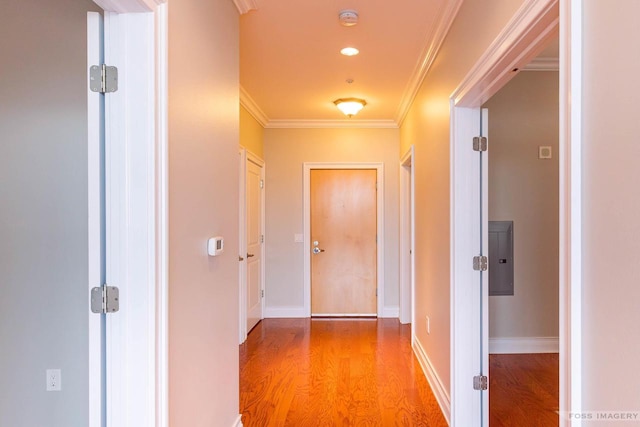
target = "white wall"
x: 203, y: 202
x: 285, y: 152
x: 611, y: 206
x: 43, y: 215
x: 523, y: 115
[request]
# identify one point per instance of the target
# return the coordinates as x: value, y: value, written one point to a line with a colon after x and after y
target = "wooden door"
x: 254, y: 215
x: 343, y: 239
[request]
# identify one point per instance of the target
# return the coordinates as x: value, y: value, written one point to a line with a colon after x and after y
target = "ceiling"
x: 291, y: 69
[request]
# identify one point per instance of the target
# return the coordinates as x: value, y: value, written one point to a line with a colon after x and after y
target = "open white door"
x: 254, y: 216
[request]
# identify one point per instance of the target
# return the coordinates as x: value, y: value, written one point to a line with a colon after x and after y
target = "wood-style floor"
x: 302, y: 372
x: 523, y: 390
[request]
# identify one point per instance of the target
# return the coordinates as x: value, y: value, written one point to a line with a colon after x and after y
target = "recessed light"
x: 349, y: 51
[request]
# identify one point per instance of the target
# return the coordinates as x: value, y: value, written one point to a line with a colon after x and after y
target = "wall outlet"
x: 428, y: 325
x: 54, y: 380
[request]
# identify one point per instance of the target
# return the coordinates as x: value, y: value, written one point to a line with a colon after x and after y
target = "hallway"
x: 303, y: 372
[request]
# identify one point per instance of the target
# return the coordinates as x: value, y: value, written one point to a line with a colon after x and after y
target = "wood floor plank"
x: 523, y: 390
x: 303, y: 372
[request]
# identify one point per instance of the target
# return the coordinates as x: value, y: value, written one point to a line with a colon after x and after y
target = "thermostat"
x: 215, y: 246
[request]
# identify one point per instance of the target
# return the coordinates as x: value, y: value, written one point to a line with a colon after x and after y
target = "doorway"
x: 376, y: 168
x: 523, y: 194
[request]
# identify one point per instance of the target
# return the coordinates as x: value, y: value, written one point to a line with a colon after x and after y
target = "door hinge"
x: 376, y: 291
x: 262, y: 293
x: 262, y: 183
x: 105, y: 299
x: 480, y: 263
x: 262, y: 238
x: 480, y: 382
x: 480, y: 143
x: 103, y: 78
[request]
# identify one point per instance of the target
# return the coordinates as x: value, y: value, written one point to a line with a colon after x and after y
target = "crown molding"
x: 245, y: 6
x: 542, y: 64
x: 332, y: 124
x: 533, y: 25
x: 434, y: 41
x: 250, y: 105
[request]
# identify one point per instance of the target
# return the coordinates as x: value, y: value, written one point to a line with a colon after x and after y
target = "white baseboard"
x: 520, y: 345
x: 391, y: 312
x: 238, y: 422
x: 434, y: 381
x: 284, y: 312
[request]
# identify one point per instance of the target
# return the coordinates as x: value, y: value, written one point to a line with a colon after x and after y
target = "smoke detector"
x: 348, y: 18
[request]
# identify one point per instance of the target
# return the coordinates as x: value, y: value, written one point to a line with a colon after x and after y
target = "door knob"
x: 250, y: 255
x: 317, y: 250
x: 240, y: 258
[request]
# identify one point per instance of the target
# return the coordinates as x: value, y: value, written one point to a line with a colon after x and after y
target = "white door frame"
x: 307, y: 167
x: 533, y: 25
x: 137, y: 234
x: 248, y: 156
x: 407, y: 239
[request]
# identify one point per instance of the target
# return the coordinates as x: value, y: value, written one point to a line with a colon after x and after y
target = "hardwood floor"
x: 523, y: 390
x: 302, y: 372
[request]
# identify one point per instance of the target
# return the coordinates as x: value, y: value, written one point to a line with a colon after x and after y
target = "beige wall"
x: 285, y: 152
x: 427, y: 128
x: 203, y: 202
x: 524, y: 189
x: 611, y: 206
x: 251, y: 133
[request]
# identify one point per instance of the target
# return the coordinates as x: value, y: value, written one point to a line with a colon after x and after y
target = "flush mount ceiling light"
x: 350, y: 106
x: 348, y: 17
x: 349, y: 51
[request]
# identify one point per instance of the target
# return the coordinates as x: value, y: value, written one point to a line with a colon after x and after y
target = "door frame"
x: 407, y: 239
x: 525, y: 35
x: 306, y: 189
x: 137, y: 233
x: 248, y: 156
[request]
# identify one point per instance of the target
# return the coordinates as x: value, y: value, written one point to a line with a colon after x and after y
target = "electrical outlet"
x: 428, y: 325
x: 54, y: 380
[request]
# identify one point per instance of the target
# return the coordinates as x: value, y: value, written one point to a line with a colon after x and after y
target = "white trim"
x: 238, y: 422
x: 130, y: 214
x: 284, y: 312
x: 465, y: 283
x: 332, y: 124
x: 571, y: 210
x: 523, y: 345
x: 406, y: 308
x: 542, y: 64
x: 391, y: 312
x: 432, y: 44
x: 245, y: 6
x: 307, y: 167
x: 162, y: 217
x: 95, y: 114
x: 129, y: 6
x: 252, y: 107
x: 438, y: 388
x: 528, y: 32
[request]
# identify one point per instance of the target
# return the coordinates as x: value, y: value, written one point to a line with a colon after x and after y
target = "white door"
x: 255, y: 239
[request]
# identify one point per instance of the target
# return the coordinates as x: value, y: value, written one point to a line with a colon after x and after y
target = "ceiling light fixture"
x: 349, y: 51
x: 350, y: 106
x: 348, y: 17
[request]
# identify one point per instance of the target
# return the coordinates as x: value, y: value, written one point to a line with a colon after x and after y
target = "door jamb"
x: 307, y: 167
x: 141, y: 113
x: 407, y: 239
